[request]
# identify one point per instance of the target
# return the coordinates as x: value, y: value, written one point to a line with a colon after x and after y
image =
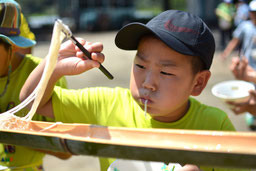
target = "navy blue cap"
x: 181, y: 31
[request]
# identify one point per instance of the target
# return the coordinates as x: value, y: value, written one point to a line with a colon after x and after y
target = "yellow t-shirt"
x: 116, y: 107
x: 18, y: 157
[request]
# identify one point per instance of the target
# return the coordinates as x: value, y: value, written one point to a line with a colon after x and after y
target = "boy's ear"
x: 200, y: 82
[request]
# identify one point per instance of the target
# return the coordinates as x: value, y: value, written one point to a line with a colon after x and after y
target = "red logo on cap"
x: 170, y: 27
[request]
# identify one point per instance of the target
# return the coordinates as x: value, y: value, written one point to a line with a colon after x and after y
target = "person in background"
x: 244, y: 37
x: 174, y: 54
x: 225, y: 12
x: 14, y: 70
x: 242, y: 12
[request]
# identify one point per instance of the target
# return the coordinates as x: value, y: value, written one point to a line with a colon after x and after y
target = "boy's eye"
x: 140, y: 66
x: 165, y: 73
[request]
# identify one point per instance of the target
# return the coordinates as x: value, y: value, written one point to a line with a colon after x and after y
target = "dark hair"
x: 5, y: 44
x: 197, y: 64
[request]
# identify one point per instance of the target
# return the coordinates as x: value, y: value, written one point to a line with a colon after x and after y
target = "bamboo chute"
x: 212, y: 148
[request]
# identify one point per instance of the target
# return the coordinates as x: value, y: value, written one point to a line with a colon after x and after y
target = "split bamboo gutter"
x: 210, y: 148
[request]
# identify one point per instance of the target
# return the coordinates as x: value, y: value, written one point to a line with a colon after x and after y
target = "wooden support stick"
x: 212, y: 148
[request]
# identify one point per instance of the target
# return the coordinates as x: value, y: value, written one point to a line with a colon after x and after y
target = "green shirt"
x: 116, y: 107
x: 19, y: 156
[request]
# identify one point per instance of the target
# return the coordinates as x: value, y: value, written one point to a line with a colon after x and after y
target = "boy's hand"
x: 71, y: 61
x: 242, y: 71
x: 189, y: 167
x: 248, y: 106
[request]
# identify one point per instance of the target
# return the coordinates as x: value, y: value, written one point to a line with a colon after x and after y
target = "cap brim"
x: 18, y: 41
x: 129, y: 36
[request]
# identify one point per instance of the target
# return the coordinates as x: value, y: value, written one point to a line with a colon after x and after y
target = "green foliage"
x: 39, y: 7
x: 178, y: 4
x: 156, y: 6
x: 49, y: 7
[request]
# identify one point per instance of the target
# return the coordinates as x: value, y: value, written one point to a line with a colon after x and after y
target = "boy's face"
x: 163, y: 77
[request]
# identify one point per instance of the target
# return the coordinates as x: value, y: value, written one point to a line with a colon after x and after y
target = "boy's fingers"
x: 91, y: 47
x: 84, y: 65
x: 88, y: 64
x: 243, y: 65
x: 234, y: 65
x: 67, y: 46
x: 244, y: 61
x: 235, y: 60
x: 95, y: 56
x: 98, y: 57
x: 238, y: 110
x: 81, y: 40
x: 94, y: 47
x: 240, y: 72
x: 188, y: 167
x: 237, y: 104
x: 252, y: 100
x: 236, y: 70
x: 253, y: 93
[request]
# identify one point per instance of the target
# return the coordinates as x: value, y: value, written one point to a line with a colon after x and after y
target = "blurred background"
x: 98, y: 21
x: 101, y: 15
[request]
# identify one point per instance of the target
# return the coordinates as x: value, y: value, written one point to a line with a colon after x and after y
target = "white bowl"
x: 233, y: 90
x: 136, y: 165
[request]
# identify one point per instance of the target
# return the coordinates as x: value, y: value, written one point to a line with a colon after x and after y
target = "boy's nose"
x: 150, y: 82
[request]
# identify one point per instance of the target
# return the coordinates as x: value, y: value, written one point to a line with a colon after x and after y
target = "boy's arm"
x: 31, y: 83
x: 230, y: 47
x: 70, y: 62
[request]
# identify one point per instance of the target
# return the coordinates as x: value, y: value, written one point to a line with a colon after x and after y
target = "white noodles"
x: 8, y: 119
x: 51, y: 126
x: 145, y: 108
x: 51, y: 60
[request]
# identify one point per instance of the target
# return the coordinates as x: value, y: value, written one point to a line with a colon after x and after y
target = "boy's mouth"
x: 143, y: 100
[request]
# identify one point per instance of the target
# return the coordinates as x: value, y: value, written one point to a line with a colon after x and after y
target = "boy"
x: 174, y: 54
x: 14, y: 70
